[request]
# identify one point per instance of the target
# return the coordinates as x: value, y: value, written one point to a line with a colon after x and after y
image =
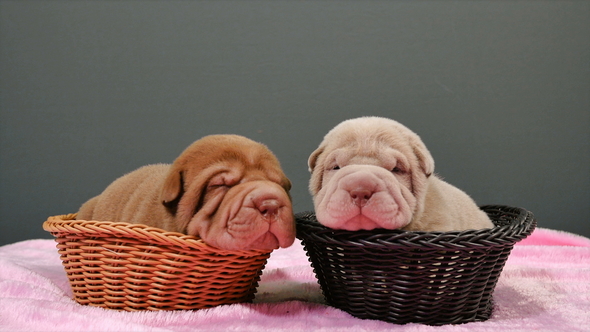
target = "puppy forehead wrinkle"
x: 338, y: 156
x: 248, y: 166
x: 365, y: 151
x: 269, y: 174
x: 267, y: 164
x: 216, y: 168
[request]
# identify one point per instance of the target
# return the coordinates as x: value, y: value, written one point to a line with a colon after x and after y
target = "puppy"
x: 226, y: 189
x: 373, y: 172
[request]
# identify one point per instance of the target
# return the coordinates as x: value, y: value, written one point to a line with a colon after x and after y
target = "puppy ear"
x: 172, y: 189
x: 315, y: 182
x: 287, y: 184
x: 425, y: 159
x: 313, y: 158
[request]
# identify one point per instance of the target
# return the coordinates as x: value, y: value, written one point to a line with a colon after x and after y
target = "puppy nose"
x: 360, y: 196
x: 268, y: 207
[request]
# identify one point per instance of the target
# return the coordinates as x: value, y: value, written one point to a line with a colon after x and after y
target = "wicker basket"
x: 135, y: 267
x: 432, y: 278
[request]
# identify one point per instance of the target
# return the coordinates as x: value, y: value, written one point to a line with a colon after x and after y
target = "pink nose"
x: 360, y: 196
x: 268, y: 208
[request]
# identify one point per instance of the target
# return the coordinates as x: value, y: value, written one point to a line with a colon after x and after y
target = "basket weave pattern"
x: 433, y: 278
x: 135, y: 267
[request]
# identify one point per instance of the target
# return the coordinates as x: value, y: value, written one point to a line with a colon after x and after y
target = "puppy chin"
x: 245, y: 232
x: 361, y: 221
x: 268, y: 242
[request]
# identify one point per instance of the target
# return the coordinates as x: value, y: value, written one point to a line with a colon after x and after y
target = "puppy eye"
x: 397, y: 170
x: 217, y: 186
x: 335, y: 168
x: 217, y: 183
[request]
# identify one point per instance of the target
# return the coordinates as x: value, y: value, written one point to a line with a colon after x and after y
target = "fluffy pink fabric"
x: 545, y: 286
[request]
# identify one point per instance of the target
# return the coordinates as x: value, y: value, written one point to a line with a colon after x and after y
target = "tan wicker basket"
x: 135, y: 267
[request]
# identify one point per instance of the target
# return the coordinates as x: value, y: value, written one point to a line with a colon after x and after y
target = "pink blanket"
x: 545, y: 286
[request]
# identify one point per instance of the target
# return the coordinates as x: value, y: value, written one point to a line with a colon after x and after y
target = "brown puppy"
x: 373, y: 172
x: 226, y: 189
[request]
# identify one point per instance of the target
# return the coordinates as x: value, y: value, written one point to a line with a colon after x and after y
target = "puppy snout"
x: 268, y: 207
x: 360, y: 196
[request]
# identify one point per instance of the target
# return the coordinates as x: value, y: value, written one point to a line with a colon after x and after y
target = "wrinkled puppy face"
x: 368, y: 173
x: 231, y: 192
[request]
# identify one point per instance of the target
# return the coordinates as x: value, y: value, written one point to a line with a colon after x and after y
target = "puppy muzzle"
x: 362, y: 197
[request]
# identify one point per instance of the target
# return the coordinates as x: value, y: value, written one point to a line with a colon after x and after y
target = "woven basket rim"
x: 522, y: 225
x: 67, y: 225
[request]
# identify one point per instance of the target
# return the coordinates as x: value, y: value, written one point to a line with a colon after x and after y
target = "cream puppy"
x: 373, y: 172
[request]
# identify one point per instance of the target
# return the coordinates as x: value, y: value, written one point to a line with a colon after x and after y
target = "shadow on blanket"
x: 285, y: 285
x: 526, y: 303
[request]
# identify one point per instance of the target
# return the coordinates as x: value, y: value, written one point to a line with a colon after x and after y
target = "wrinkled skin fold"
x: 364, y: 197
x: 251, y: 215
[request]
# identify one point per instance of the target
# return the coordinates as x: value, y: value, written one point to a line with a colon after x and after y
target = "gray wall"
x: 90, y: 90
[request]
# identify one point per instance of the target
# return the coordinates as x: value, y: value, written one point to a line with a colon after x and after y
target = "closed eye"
x: 398, y: 170
x: 213, y: 186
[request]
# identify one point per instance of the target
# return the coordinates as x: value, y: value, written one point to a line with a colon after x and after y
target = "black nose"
x: 360, y: 196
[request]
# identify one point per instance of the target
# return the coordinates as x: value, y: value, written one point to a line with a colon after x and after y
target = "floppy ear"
x: 315, y: 182
x: 287, y: 184
x: 172, y: 189
x: 313, y: 158
x: 425, y: 159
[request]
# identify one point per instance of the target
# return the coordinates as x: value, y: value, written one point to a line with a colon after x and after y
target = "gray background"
x: 90, y: 90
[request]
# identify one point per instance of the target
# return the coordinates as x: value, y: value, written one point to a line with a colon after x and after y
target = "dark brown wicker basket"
x: 401, y: 277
